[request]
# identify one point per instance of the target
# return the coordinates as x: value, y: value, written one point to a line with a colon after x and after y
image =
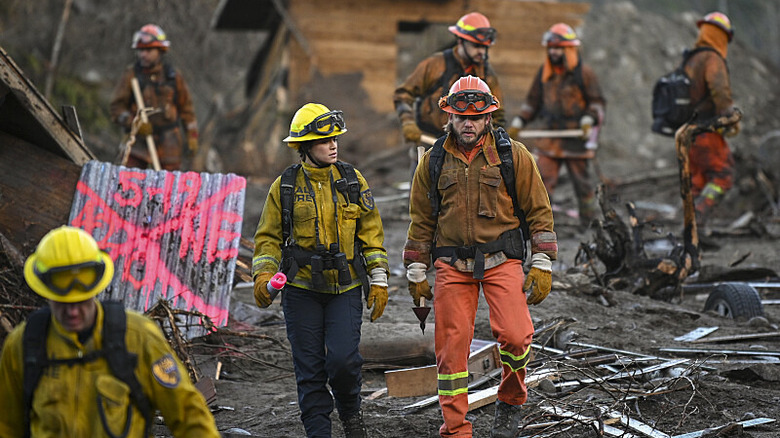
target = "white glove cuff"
x: 541, y: 261
x: 378, y: 277
x: 415, y: 272
x: 517, y: 122
x: 587, y: 120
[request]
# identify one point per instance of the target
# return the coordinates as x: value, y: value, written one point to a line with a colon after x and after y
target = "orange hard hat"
x: 718, y: 19
x: 474, y: 27
x: 469, y: 96
x: 151, y: 36
x: 560, y: 35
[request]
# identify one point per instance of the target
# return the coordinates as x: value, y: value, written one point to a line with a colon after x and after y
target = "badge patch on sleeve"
x: 166, y: 371
x: 367, y: 199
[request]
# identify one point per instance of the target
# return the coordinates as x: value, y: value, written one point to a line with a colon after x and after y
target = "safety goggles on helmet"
x: 485, y: 35
x: 323, y: 125
x: 461, y: 100
x: 63, y: 279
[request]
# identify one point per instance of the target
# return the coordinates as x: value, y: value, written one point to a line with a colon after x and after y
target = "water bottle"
x: 275, y: 284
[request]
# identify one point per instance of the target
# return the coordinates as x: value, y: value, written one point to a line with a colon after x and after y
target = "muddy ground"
x: 256, y: 389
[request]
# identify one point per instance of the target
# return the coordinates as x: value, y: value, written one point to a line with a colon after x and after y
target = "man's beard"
x: 468, y: 145
x: 556, y: 60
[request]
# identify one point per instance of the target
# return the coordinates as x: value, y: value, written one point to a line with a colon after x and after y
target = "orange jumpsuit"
x: 711, y: 162
x: 476, y: 208
x: 558, y: 98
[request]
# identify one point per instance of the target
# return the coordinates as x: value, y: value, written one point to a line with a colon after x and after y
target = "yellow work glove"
x: 538, y: 282
x: 262, y: 297
x: 418, y: 282
x: 192, y: 141
x: 411, y: 131
x: 733, y: 130
x: 586, y: 124
x: 144, y: 129
x: 515, y: 127
x: 377, y: 296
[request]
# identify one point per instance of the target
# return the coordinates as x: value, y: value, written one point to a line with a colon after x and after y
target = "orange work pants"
x: 579, y: 172
x: 712, y: 170
x: 455, y: 307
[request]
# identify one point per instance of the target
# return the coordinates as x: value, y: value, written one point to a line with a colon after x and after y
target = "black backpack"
x: 507, y: 168
x: 121, y: 362
x: 672, y: 106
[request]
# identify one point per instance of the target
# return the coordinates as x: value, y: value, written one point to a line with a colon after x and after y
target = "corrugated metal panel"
x: 172, y: 235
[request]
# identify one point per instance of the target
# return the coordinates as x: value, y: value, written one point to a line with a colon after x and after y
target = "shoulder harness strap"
x: 35, y: 359
x: 507, y: 167
x: 347, y: 172
x: 121, y: 362
x: 286, y: 190
x: 435, y: 163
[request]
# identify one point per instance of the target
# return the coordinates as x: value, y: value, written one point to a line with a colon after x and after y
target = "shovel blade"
x: 422, y: 315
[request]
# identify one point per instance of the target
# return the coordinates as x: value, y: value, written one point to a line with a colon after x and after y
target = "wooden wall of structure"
x: 336, y: 37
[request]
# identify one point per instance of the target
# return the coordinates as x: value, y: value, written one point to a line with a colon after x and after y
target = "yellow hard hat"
x: 68, y: 267
x: 315, y: 121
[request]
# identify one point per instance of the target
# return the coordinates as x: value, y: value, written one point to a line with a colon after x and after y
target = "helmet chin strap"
x: 313, y: 161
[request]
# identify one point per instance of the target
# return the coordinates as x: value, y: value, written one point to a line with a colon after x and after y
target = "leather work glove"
x: 144, y: 129
x: 377, y: 296
x: 192, y: 141
x: 733, y: 130
x: 586, y: 123
x: 262, y: 297
x: 538, y: 282
x: 411, y: 131
x: 515, y: 127
x: 418, y: 282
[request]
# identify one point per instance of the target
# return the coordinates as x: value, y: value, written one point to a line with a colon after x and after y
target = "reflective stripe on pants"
x: 456, y: 295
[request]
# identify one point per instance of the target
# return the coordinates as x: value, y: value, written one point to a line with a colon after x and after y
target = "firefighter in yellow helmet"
x: 80, y: 390
x: 474, y: 237
x: 320, y: 227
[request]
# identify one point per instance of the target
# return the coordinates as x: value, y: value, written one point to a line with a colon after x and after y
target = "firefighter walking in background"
x: 321, y: 228
x: 85, y: 368
x: 471, y: 223
x: 711, y: 162
x: 416, y: 100
x: 565, y: 94
x: 171, y: 120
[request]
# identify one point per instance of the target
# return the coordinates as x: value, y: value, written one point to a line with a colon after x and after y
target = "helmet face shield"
x: 461, y: 100
x: 324, y: 124
x: 64, y: 279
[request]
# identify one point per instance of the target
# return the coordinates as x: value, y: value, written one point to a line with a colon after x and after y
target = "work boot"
x: 354, y: 427
x: 506, y: 421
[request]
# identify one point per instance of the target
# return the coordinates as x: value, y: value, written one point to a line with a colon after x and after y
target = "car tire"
x: 735, y: 300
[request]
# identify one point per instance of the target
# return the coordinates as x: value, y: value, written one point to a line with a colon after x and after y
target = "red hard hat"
x: 718, y: 19
x: 560, y: 35
x: 149, y: 37
x: 474, y: 27
x: 469, y: 96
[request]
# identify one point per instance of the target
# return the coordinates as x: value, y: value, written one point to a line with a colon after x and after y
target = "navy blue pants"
x: 324, y: 333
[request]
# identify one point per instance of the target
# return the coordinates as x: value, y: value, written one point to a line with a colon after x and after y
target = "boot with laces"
x: 354, y: 426
x: 506, y: 420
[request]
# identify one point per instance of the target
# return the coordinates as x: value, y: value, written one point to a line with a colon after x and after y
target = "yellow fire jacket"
x: 67, y: 400
x: 355, y: 221
x: 475, y: 206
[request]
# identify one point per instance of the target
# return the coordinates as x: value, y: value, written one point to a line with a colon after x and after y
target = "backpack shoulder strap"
x: 451, y: 67
x: 121, y: 362
x: 507, y: 168
x: 347, y: 172
x: 286, y: 191
x: 35, y: 358
x: 435, y: 162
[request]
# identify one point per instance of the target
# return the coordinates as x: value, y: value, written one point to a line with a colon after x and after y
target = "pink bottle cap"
x: 278, y: 280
